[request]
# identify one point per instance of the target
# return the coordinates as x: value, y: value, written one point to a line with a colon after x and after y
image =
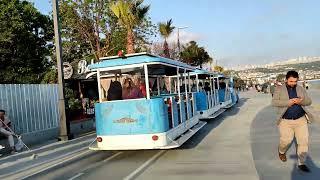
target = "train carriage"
x: 228, y: 97
x: 157, y: 120
x: 204, y: 83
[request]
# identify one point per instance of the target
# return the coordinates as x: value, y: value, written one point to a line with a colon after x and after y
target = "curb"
x: 45, y: 148
x: 48, y: 156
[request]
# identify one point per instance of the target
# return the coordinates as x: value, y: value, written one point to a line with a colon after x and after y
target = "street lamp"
x: 63, y: 134
x: 184, y: 27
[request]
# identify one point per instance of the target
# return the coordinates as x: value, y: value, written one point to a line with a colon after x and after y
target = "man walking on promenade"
x: 292, y: 118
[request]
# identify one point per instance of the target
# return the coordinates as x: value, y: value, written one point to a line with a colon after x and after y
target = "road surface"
x: 239, y: 144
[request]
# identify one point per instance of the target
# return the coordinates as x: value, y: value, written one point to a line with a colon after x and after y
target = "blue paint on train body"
x: 128, y: 117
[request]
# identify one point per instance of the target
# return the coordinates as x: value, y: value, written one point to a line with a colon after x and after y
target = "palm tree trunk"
x: 130, y: 42
x: 166, y: 51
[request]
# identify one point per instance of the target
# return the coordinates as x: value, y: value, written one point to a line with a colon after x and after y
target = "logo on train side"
x: 125, y: 120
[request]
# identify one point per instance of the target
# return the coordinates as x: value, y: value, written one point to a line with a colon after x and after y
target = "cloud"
x: 184, y: 37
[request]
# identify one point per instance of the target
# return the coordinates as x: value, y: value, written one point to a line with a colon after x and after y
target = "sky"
x: 239, y: 32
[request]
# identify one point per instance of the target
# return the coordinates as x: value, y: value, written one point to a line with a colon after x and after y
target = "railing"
x: 227, y: 95
x: 212, y: 99
x: 185, y: 108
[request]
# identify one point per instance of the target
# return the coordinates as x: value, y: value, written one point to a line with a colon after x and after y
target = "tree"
x: 218, y: 68
x: 25, y: 42
x: 194, y: 55
x: 280, y: 77
x: 225, y: 72
x: 166, y: 30
x: 86, y: 28
x: 50, y: 77
x: 157, y: 49
x: 130, y: 15
x: 90, y: 30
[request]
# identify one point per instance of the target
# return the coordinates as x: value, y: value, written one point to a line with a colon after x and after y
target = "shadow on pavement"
x: 296, y: 174
x: 211, y: 124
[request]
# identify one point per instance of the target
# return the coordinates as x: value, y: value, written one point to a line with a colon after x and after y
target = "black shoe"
x: 304, y: 168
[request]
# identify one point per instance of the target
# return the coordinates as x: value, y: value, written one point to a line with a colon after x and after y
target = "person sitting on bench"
x: 5, y: 124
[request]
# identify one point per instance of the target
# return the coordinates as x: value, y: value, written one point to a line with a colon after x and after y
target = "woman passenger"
x: 142, y: 87
x: 130, y: 91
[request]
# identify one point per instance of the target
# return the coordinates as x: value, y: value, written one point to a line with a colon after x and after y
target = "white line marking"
x: 88, y: 168
x: 43, y: 163
x: 144, y: 165
x: 76, y: 176
x: 64, y: 160
x: 113, y: 156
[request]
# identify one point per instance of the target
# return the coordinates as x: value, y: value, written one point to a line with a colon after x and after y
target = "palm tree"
x: 166, y: 30
x: 194, y: 55
x: 218, y: 68
x: 130, y: 14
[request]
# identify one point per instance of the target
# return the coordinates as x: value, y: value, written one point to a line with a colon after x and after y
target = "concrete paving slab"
x: 221, y: 150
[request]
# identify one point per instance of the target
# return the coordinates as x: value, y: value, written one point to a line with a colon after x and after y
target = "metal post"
x: 190, y: 100
x: 170, y: 88
x: 146, y: 77
x: 197, y: 81
x: 214, y: 91
x: 211, y: 91
x: 179, y: 94
x: 178, y: 84
x: 158, y: 86
x: 226, y: 91
x: 99, y: 85
x: 186, y: 91
x: 218, y: 83
x: 189, y: 82
x: 178, y: 44
x: 63, y: 134
x: 175, y: 87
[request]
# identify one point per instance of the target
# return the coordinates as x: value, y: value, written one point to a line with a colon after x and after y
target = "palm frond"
x: 166, y: 28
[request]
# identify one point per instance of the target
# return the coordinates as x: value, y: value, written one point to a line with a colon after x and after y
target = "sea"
x: 314, y: 84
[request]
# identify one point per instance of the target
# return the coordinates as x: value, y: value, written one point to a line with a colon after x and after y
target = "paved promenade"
x: 240, y: 144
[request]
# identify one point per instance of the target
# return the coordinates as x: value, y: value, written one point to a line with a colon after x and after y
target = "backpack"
x: 115, y: 91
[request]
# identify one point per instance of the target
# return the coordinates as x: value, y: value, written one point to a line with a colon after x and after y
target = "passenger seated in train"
x: 115, y: 91
x: 142, y: 87
x: 130, y: 91
x: 200, y: 86
x: 164, y: 90
x: 193, y: 88
x: 207, y: 87
x: 216, y: 84
x: 222, y: 84
x: 182, y: 88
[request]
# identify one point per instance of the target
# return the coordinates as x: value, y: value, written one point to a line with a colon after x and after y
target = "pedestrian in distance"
x: 272, y: 88
x: 307, y: 85
x: 293, y: 118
